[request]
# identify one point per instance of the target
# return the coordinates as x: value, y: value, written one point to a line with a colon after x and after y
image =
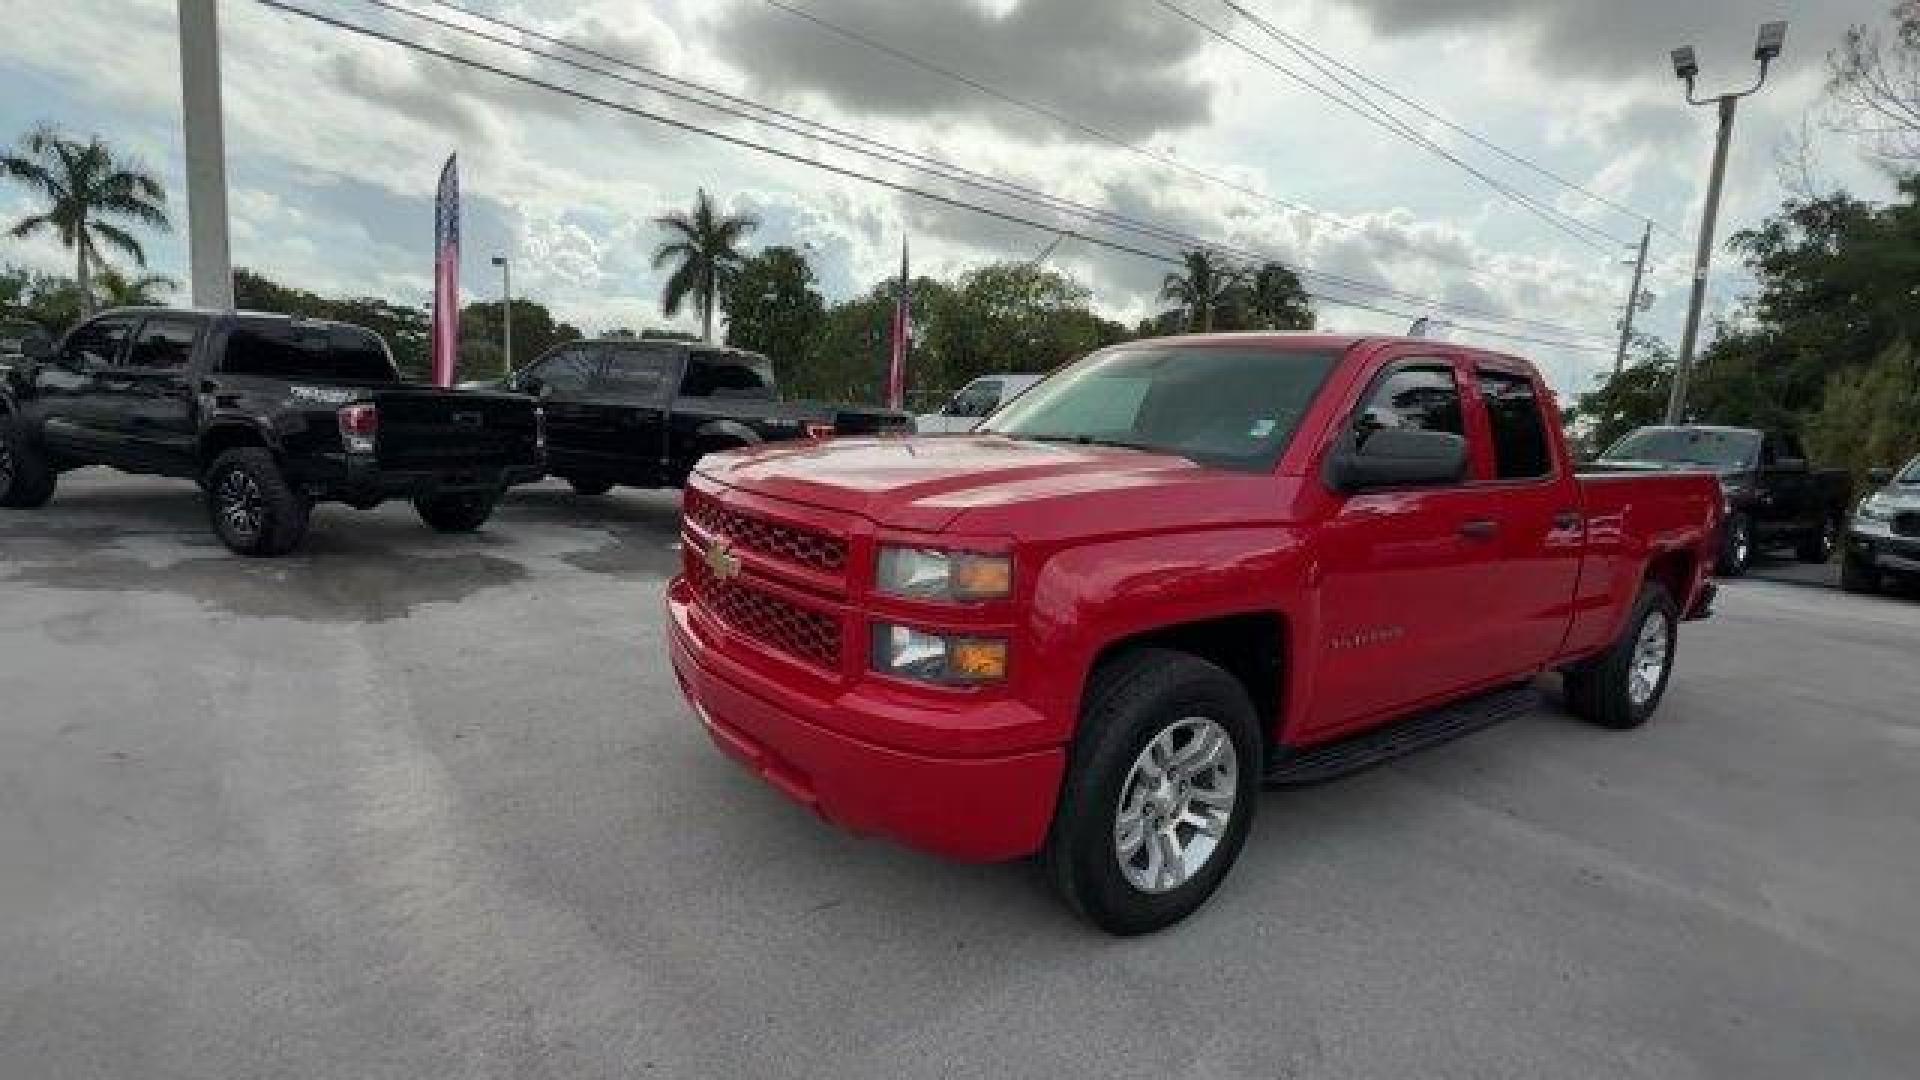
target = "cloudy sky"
x: 1135, y: 107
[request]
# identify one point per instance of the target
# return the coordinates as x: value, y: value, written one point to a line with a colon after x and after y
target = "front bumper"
x: 1874, y: 544
x: 973, y: 808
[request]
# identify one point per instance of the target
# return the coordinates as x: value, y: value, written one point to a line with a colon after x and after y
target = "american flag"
x: 446, y: 273
x: 902, y: 328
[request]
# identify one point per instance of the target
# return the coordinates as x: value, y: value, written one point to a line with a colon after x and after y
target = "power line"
x: 931, y: 196
x: 1298, y: 43
x: 1565, y: 223
x: 934, y: 166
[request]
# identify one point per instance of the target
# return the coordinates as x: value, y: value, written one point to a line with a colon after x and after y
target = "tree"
x: 773, y: 308
x: 1870, y: 415
x: 534, y: 332
x: 142, y: 290
x: 1273, y: 299
x: 1635, y: 397
x: 1201, y: 288
x: 704, y: 248
x: 1875, y: 83
x: 85, y: 187
x: 1004, y: 316
x: 47, y: 299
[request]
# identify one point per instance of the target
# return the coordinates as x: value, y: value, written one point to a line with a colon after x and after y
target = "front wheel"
x: 460, y: 513
x: 1161, y: 792
x: 1817, y: 547
x: 590, y: 486
x: 26, y: 480
x: 1623, y: 686
x: 1736, y: 546
x: 252, y: 508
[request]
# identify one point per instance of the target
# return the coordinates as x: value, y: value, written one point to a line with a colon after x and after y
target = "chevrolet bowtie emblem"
x: 720, y: 559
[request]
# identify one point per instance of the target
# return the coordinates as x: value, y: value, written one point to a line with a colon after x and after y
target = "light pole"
x: 208, y: 256
x: 506, y: 315
x: 1766, y: 49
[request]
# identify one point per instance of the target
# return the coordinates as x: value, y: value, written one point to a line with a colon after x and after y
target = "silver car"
x: 1883, y: 536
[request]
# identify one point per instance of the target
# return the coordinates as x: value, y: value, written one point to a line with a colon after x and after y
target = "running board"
x: 1290, y: 767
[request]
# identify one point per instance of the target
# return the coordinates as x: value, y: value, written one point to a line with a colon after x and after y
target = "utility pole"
x: 1766, y: 49
x: 506, y: 314
x: 1633, y: 300
x: 209, y: 256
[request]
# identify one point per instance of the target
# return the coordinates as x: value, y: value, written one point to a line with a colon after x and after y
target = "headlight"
x: 938, y: 658
x: 927, y: 574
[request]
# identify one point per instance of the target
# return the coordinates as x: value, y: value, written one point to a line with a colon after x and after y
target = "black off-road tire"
x: 1857, y: 576
x: 1603, y: 690
x: 1736, y: 546
x: 589, y: 485
x: 26, y: 480
x: 1130, y: 701
x: 252, y: 508
x: 459, y: 513
x: 1819, y: 546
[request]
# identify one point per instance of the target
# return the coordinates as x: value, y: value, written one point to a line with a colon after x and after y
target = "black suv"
x: 640, y: 412
x: 268, y: 413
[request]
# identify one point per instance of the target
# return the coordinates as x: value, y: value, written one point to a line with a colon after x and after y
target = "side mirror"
x: 1880, y: 476
x: 1396, y: 458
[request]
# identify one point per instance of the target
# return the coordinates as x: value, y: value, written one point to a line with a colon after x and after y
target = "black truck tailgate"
x: 426, y: 428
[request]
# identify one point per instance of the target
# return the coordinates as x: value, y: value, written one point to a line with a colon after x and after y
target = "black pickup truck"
x: 640, y: 412
x: 269, y: 414
x: 1774, y: 497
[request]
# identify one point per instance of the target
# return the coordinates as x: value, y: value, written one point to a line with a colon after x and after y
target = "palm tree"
x: 143, y: 290
x: 706, y: 246
x: 1204, y: 286
x: 1277, y: 301
x: 84, y: 184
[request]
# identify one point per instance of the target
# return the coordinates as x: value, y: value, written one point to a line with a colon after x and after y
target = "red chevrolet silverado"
x: 1172, y: 573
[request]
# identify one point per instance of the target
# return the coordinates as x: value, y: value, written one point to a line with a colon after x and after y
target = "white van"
x: 975, y: 402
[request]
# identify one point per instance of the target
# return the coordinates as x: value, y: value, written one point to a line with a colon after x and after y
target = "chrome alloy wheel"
x: 1651, y: 651
x: 242, y: 509
x: 1176, y: 804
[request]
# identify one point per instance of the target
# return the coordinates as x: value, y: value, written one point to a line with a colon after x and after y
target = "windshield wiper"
x: 1121, y: 444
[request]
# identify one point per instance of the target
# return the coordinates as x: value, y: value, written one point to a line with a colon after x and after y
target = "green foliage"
x: 1871, y: 414
x: 1203, y: 286
x: 703, y: 247
x: 406, y: 329
x: 773, y: 308
x: 85, y: 191
x: 47, y: 299
x: 1005, y: 316
x: 534, y: 332
x: 1635, y: 397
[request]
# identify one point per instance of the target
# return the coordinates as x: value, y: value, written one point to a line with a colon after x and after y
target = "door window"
x: 164, y: 344
x: 636, y: 373
x: 97, y: 344
x: 719, y: 374
x: 1520, y: 449
x: 1423, y: 395
x: 566, y: 373
x: 977, y: 398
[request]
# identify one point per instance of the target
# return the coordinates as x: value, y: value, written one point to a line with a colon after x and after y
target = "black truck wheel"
x: 1736, y: 546
x: 1623, y: 686
x: 459, y: 513
x: 1164, y: 780
x: 252, y: 508
x: 1817, y: 546
x: 26, y: 480
x: 589, y: 485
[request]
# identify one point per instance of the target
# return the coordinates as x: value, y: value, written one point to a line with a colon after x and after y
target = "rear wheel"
x: 1736, y: 546
x: 1858, y: 575
x: 1623, y: 686
x: 1817, y: 547
x: 1161, y: 792
x: 459, y: 513
x: 26, y: 480
x: 252, y: 508
x: 589, y: 485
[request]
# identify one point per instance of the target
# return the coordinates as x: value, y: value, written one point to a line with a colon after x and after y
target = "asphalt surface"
x: 414, y: 806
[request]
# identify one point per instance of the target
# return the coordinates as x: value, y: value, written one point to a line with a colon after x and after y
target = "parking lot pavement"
x: 420, y: 806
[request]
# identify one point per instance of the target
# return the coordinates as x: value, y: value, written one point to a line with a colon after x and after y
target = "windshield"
x: 1911, y: 475
x: 1688, y: 446
x: 1231, y: 408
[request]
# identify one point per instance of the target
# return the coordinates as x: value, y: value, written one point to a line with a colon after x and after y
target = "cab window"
x: 1419, y: 395
x: 636, y: 373
x: 97, y: 344
x: 566, y: 373
x: 164, y: 344
x: 977, y: 398
x: 1520, y: 446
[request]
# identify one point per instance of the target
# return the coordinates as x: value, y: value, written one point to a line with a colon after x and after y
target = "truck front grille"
x: 788, y: 543
x: 770, y: 620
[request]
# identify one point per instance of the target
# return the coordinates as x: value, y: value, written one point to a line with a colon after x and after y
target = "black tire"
x: 26, y: 480
x: 1736, y: 546
x: 589, y: 485
x: 1602, y: 690
x: 461, y: 513
x: 1132, y: 701
x: 1857, y: 576
x: 252, y: 508
x: 1818, y: 547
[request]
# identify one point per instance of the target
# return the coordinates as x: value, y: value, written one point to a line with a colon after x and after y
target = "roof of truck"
x: 1309, y: 339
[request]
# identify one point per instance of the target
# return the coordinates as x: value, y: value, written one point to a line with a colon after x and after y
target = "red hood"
x: 1003, y: 486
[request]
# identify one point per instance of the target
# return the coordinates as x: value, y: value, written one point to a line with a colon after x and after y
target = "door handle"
x: 1479, y: 530
x: 1567, y: 520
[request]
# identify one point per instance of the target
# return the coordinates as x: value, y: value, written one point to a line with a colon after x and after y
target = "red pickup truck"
x: 1172, y: 573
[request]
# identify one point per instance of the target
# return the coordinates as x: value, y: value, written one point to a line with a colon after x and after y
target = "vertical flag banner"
x: 902, y: 327
x: 446, y: 273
